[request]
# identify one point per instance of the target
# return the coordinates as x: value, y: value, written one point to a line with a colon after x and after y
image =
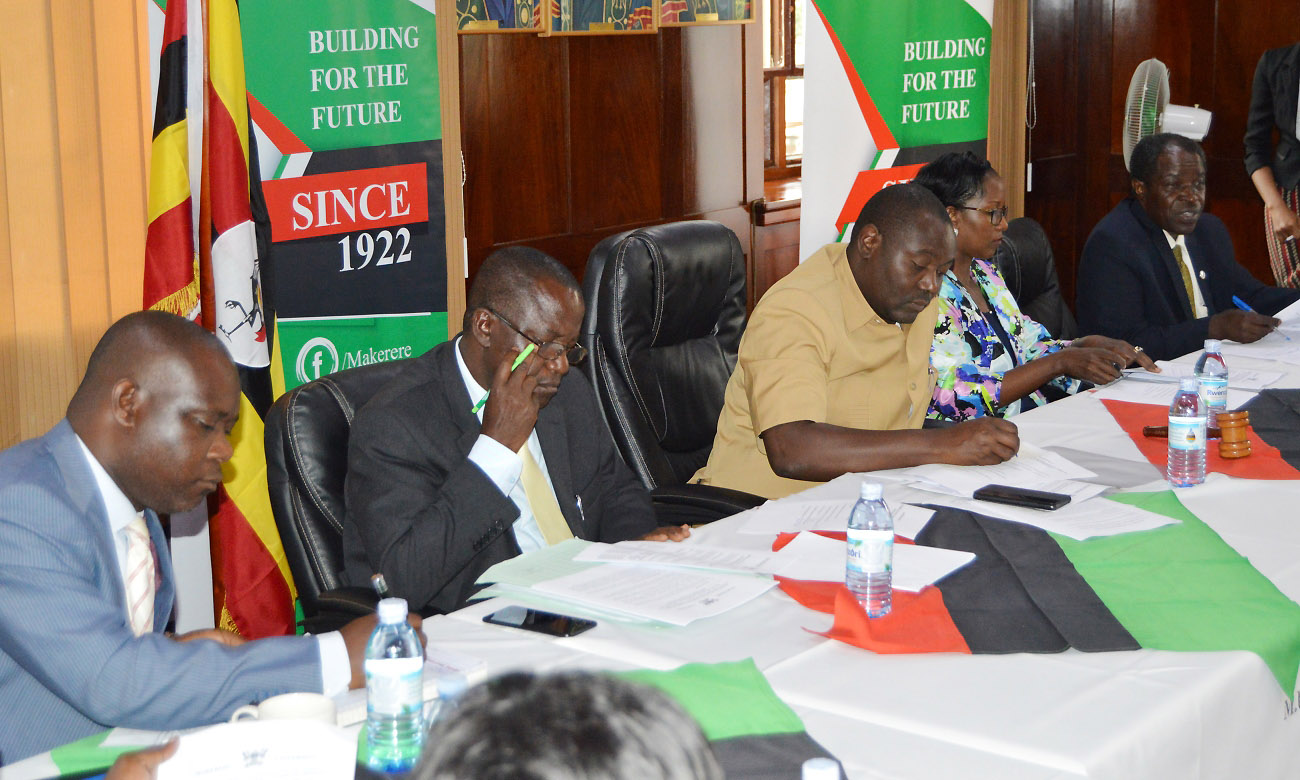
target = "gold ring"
x: 1137, y: 349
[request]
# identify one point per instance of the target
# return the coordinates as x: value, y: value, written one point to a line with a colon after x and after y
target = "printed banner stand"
x: 888, y: 86
x: 345, y: 102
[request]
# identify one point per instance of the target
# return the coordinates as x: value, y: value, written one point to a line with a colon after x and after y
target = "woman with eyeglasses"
x: 989, y: 358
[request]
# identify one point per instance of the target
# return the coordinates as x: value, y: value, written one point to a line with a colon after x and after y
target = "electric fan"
x: 1147, y: 110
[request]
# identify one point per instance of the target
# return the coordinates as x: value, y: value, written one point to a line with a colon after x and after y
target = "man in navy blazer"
x: 1131, y: 285
x: 144, y: 433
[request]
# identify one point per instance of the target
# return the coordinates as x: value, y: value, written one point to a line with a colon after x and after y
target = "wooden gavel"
x: 1235, y: 429
x: 1232, y: 433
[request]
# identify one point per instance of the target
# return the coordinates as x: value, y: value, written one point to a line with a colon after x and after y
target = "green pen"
x: 528, y: 350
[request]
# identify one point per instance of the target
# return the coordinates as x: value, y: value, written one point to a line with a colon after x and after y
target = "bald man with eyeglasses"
x: 488, y: 446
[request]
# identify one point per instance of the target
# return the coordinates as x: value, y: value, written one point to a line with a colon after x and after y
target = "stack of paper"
x: 552, y: 578
x: 816, y: 557
x: 1238, y: 377
x: 808, y: 556
x: 668, y: 595
x: 1282, y: 344
x: 1033, y: 467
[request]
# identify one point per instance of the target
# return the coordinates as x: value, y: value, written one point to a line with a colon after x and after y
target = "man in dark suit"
x: 441, y: 486
x: 86, y: 584
x: 1161, y: 275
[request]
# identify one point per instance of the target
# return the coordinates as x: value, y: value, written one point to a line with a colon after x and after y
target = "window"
x: 783, y: 88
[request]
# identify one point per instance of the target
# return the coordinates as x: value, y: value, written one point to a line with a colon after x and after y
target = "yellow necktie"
x: 1187, y: 278
x: 546, y: 510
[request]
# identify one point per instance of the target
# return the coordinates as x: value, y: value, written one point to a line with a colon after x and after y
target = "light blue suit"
x: 69, y: 663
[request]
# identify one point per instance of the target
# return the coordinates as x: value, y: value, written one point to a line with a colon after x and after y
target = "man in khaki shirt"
x: 834, y: 372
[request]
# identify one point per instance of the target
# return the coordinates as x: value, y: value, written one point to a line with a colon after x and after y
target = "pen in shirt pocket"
x: 582, y: 518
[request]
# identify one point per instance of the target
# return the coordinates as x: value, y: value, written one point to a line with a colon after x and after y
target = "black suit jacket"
x: 1130, y: 287
x: 422, y: 513
x: 1273, y: 97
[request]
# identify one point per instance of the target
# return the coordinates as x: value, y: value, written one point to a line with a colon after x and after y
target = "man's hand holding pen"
x: 512, y: 405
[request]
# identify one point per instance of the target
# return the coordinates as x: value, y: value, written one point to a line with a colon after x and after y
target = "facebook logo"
x: 317, y: 358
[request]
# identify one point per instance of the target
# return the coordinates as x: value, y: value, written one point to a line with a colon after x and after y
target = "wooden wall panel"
x: 614, y: 126
x: 1007, y: 82
x: 73, y: 97
x: 514, y: 141
x: 617, y: 128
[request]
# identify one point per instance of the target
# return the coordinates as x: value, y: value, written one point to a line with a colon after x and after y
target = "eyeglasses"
x: 551, y: 350
x: 995, y: 215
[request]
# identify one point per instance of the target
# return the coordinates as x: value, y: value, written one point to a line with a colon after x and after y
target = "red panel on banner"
x: 869, y: 183
x: 332, y: 203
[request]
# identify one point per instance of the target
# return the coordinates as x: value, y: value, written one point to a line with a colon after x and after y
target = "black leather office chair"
x: 306, y: 462
x: 1025, y: 261
x: 665, y: 311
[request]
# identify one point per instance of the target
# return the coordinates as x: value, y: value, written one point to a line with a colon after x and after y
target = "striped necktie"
x: 140, y: 576
x: 1187, y: 279
x: 541, y: 499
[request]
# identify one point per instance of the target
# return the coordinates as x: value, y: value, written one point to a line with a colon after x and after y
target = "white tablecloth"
x: 1143, y: 714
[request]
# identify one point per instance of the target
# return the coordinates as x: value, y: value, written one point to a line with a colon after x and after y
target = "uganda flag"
x: 201, y: 262
x: 1178, y: 587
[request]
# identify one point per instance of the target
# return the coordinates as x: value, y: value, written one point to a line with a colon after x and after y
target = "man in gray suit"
x: 85, y: 577
x: 438, y: 485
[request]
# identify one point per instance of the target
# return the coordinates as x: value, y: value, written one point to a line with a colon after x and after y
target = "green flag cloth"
x: 1181, y: 587
x: 728, y: 699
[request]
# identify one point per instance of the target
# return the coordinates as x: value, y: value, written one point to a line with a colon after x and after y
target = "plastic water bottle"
x: 394, y: 691
x: 1212, y: 374
x: 868, y: 572
x: 1186, y: 436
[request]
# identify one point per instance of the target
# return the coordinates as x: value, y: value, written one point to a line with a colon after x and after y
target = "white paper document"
x: 1033, y: 467
x: 822, y: 560
x: 1238, y: 377
x: 1160, y: 393
x: 264, y: 750
x: 910, y: 520
x: 793, y: 515
x: 669, y: 595
x: 549, y: 562
x: 693, y: 556
x: 141, y: 738
x: 1075, y: 520
x: 1274, y: 346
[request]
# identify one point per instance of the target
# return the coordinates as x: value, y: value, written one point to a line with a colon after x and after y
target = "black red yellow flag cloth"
x: 201, y: 262
x: 1178, y: 587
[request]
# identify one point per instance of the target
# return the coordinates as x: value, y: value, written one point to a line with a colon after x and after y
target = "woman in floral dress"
x: 988, y: 357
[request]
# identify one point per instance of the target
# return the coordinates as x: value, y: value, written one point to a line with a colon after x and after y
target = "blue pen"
x: 1240, y: 304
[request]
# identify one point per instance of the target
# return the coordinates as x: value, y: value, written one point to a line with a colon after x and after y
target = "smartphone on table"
x: 549, y: 623
x: 1014, y: 496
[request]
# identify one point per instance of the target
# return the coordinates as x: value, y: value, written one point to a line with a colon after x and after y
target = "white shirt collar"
x: 472, y: 386
x: 119, y: 508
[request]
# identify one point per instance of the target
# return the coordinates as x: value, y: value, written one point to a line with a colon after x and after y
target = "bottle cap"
x: 392, y: 611
x: 821, y: 769
x: 871, y: 491
x: 1213, y: 345
x: 1188, y: 384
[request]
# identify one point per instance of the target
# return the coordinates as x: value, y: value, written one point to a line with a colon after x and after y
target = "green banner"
x: 345, y: 73
x: 924, y: 64
x: 312, y: 348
